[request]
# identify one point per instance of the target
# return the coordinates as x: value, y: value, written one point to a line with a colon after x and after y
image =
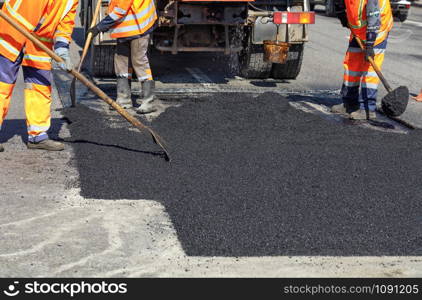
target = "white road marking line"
x: 202, y: 78
x: 417, y: 24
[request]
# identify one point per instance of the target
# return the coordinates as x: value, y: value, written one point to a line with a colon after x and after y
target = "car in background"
x: 400, y: 8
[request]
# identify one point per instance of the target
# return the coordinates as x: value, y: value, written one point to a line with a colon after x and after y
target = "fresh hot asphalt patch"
x: 253, y: 176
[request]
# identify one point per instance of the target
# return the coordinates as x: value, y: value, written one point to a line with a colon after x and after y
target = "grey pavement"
x: 48, y: 229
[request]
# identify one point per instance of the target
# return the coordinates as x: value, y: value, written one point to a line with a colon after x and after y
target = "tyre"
x: 102, y: 61
x: 291, y: 68
x: 402, y: 17
x: 251, y: 62
x: 330, y: 9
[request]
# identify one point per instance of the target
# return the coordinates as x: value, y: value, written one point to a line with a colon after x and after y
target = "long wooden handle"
x: 374, y: 65
x: 135, y: 122
x: 89, y: 37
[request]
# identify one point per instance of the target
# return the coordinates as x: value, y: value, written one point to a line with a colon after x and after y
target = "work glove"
x: 369, y: 45
x: 64, y: 54
x: 94, y: 31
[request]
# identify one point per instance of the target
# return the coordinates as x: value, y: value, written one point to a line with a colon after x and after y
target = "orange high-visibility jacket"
x: 134, y: 17
x: 358, y: 19
x: 51, y: 20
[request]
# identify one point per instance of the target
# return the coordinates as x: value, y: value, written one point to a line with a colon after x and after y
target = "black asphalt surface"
x: 253, y: 176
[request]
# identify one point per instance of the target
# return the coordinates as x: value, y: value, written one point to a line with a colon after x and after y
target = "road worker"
x: 371, y: 21
x: 419, y: 97
x: 52, y: 21
x: 131, y: 23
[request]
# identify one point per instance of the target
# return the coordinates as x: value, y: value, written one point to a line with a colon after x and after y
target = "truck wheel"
x: 402, y: 17
x: 291, y: 68
x: 102, y: 61
x: 252, y: 64
x: 330, y: 10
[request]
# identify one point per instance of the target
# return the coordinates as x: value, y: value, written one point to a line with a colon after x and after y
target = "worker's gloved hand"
x: 369, y: 45
x: 66, y: 65
x: 94, y: 31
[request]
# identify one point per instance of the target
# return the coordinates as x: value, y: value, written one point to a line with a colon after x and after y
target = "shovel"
x: 395, y: 102
x: 84, y: 53
x: 131, y: 119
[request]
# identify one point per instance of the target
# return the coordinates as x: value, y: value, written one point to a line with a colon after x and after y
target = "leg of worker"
x: 353, y: 64
x: 8, y: 76
x: 121, y: 68
x: 142, y: 69
x: 370, y: 80
x: 38, y: 109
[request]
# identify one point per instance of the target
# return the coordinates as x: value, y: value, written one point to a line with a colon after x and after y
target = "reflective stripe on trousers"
x: 360, y: 75
x: 37, y: 96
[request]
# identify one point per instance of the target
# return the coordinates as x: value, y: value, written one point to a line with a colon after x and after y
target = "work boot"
x: 1, y: 148
x: 338, y: 109
x: 344, y: 108
x: 362, y: 114
x: 149, y: 102
x: 124, y: 96
x: 46, y: 144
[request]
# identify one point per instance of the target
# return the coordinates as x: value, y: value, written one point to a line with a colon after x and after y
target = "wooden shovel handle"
x: 89, y: 37
x: 374, y: 65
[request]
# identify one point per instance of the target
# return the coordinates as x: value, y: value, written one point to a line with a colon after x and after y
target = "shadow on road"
x: 17, y: 127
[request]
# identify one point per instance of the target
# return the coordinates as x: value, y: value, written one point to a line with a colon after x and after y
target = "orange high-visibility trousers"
x: 37, y: 95
x: 359, y: 75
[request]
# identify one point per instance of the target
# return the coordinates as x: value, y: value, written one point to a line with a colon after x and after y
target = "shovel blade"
x: 394, y: 103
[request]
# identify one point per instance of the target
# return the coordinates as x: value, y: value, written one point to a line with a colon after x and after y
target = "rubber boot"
x: 1, y: 148
x: 124, y: 96
x: 149, y: 102
x: 136, y: 88
x: 46, y: 144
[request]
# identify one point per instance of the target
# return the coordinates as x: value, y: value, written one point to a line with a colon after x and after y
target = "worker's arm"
x: 63, y: 34
x: 120, y: 10
x: 373, y: 26
x: 373, y: 19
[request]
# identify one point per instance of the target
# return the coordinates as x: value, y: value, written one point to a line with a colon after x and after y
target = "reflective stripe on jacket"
x: 133, y: 17
x: 379, y: 16
x: 50, y: 20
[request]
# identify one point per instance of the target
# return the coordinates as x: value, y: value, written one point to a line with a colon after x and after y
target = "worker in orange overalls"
x: 419, y: 97
x: 131, y: 22
x: 52, y: 21
x: 371, y: 21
